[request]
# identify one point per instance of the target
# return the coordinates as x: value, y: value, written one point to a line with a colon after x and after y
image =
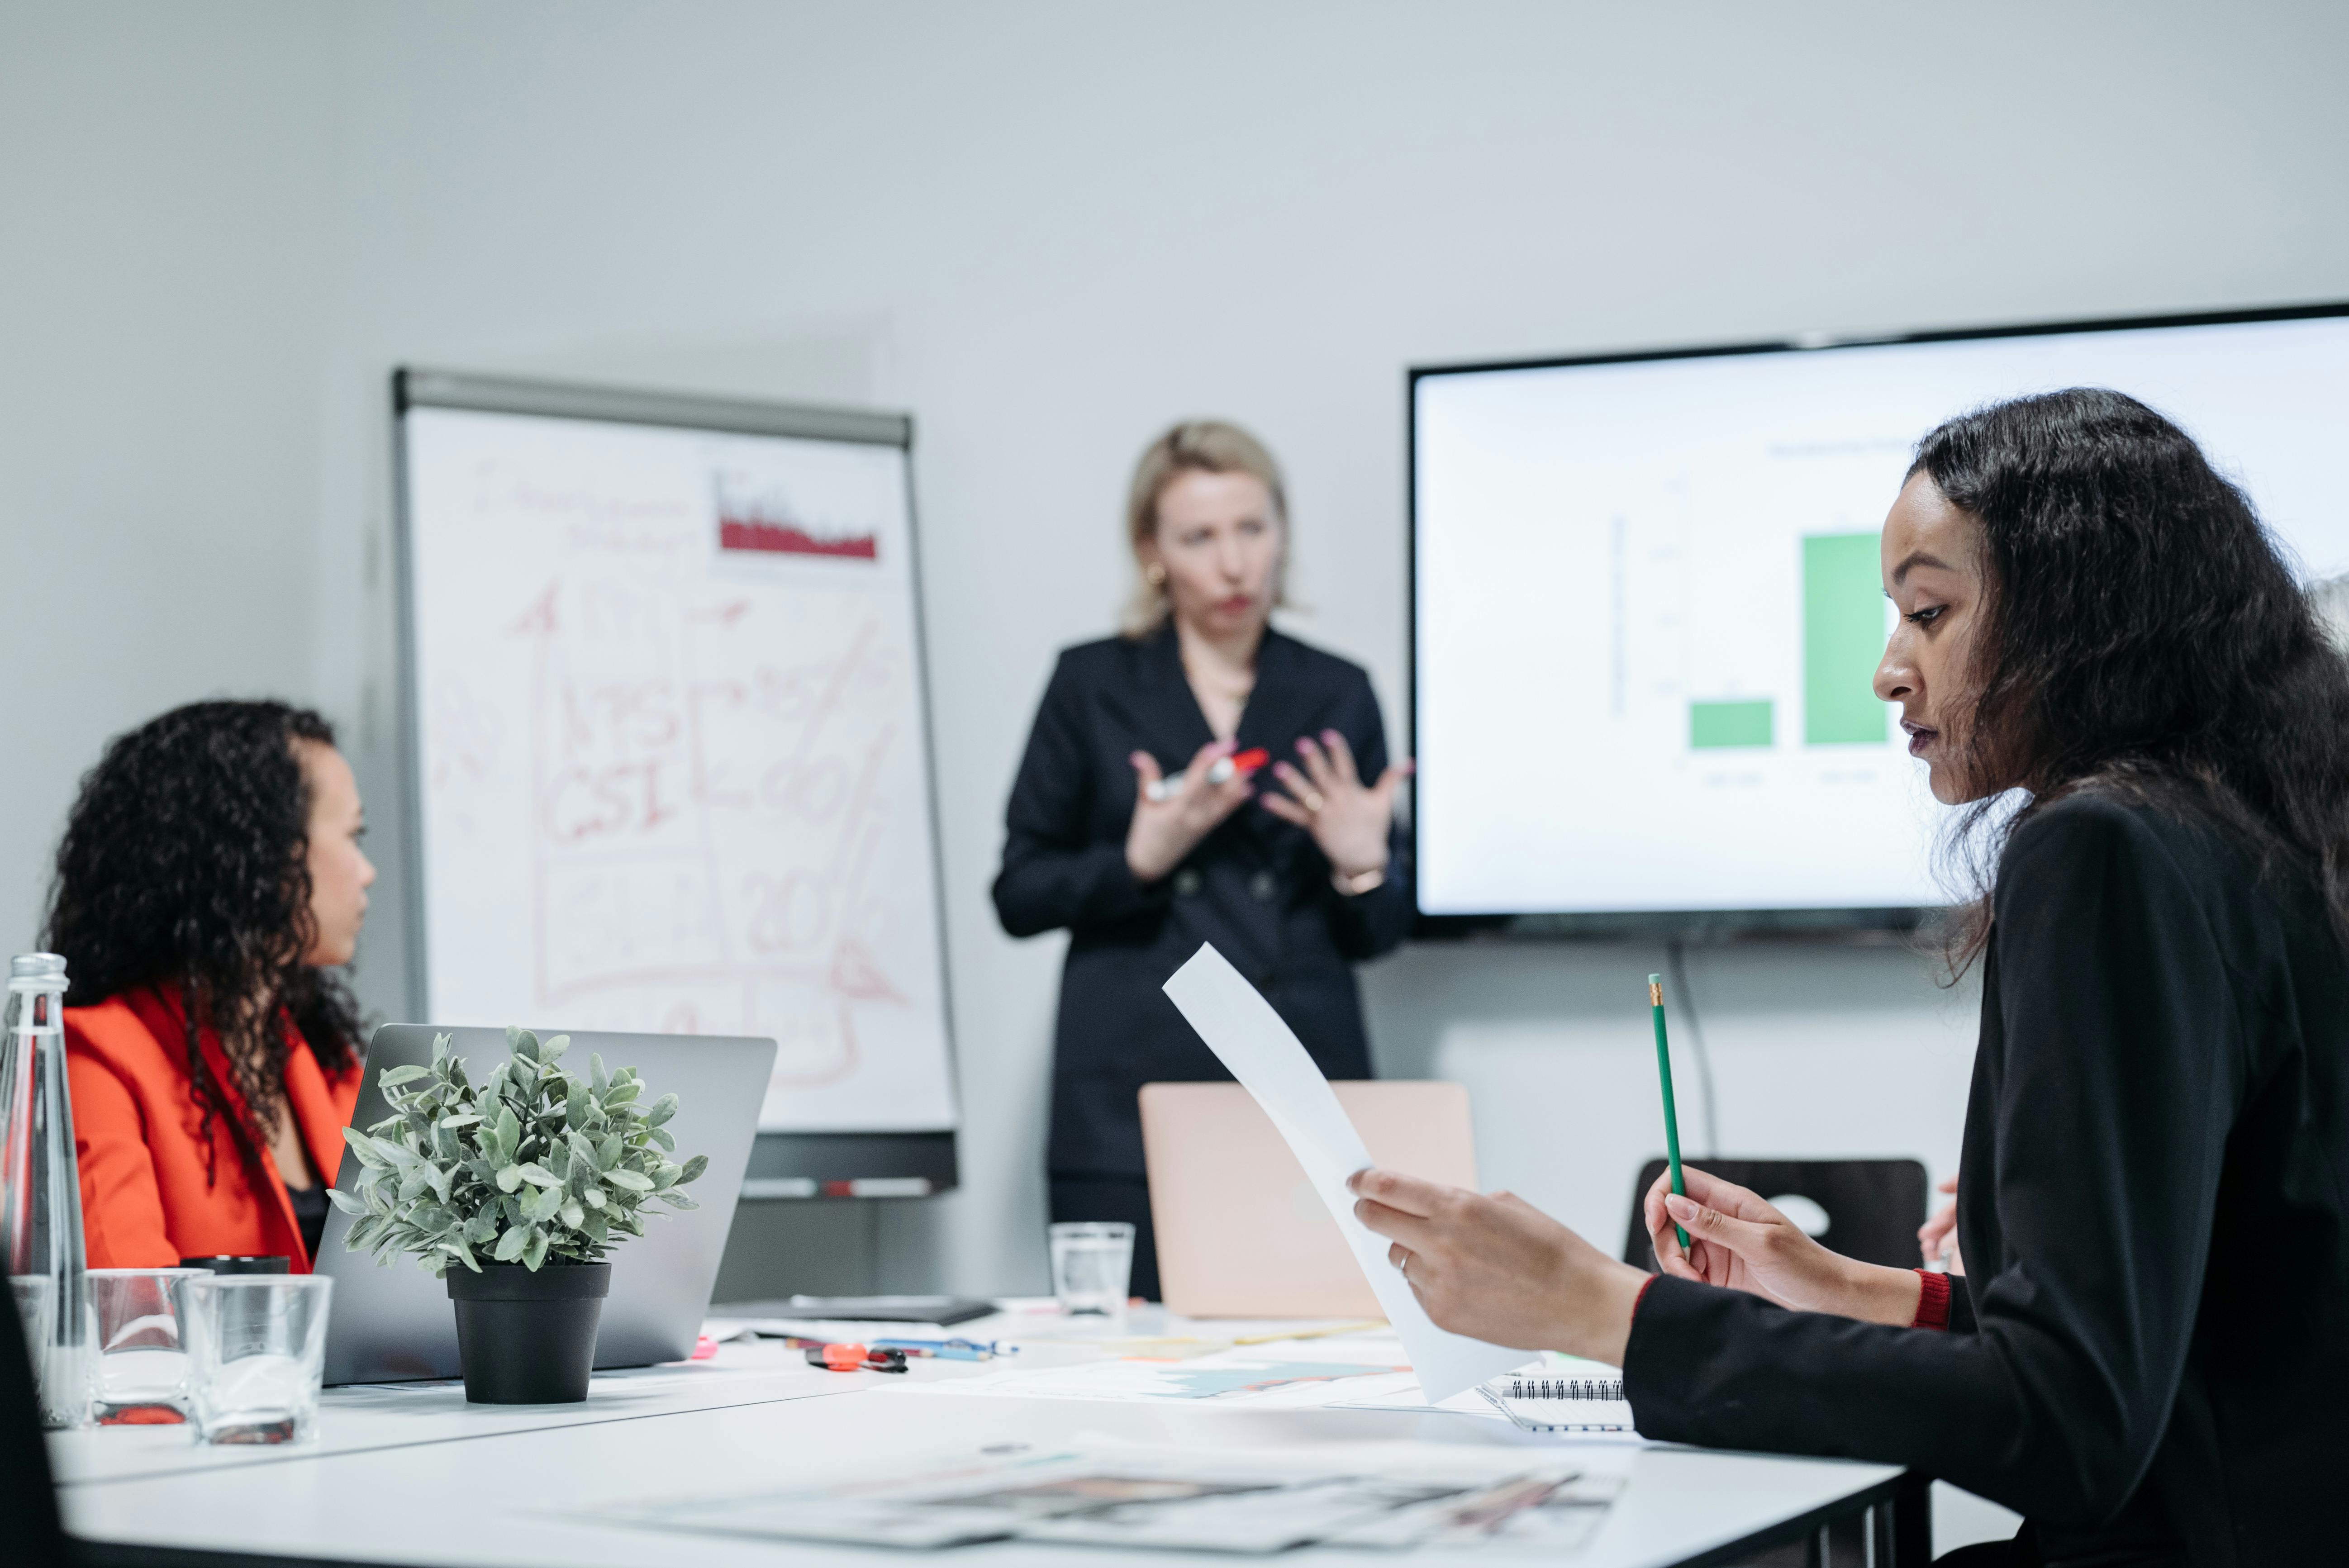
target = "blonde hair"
x: 1194, y: 446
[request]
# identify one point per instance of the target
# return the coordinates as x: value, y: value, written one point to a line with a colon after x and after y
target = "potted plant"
x: 528, y: 1181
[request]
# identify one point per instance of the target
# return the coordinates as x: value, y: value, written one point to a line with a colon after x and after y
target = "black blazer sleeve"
x: 1054, y: 872
x: 2116, y: 1088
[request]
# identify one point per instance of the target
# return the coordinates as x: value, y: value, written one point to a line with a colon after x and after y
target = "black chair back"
x: 28, y: 1504
x: 1873, y: 1206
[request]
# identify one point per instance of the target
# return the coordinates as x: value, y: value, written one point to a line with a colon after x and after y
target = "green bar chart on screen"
x: 1843, y: 640
x: 1714, y: 725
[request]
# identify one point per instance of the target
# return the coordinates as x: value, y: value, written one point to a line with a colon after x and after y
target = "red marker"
x: 1222, y: 771
x: 855, y: 1358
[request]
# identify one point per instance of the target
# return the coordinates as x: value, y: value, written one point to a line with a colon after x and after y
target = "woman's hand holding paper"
x: 1497, y: 1269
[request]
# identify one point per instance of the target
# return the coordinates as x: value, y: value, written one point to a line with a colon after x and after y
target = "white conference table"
x: 413, y: 1474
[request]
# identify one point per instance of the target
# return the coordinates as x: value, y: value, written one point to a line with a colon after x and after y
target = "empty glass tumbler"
x: 256, y: 1350
x: 1091, y: 1261
x: 139, y: 1375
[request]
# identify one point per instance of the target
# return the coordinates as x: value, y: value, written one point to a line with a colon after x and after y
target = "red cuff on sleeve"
x: 1932, y: 1301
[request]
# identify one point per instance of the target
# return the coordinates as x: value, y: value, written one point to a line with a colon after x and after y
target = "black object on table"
x: 227, y: 1264
x: 943, y: 1310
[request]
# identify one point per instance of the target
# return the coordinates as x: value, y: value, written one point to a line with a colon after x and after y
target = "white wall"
x: 1047, y: 230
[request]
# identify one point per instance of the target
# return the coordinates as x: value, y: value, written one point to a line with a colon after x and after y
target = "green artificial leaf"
x: 508, y: 1178
x: 538, y: 1175
x: 510, y: 1245
x: 593, y: 1197
x: 597, y: 1229
x: 677, y: 1199
x: 693, y: 1169
x: 363, y: 1145
x: 462, y: 1118
x: 397, y: 1155
x: 535, y: 1253
x: 575, y: 1106
x: 392, y: 1077
x: 345, y: 1201
x: 660, y: 1135
x: 573, y: 1214
x: 620, y: 1094
x: 660, y: 1110
x: 555, y: 1047
x: 482, y: 1226
x: 664, y: 1175
x: 609, y: 1153
x: 597, y: 1080
x: 634, y: 1181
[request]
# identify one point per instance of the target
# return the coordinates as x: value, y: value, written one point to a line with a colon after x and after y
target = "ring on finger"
x: 1402, y: 1267
x: 1315, y: 800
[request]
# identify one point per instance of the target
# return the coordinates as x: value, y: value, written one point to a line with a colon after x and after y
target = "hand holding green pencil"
x: 1671, y: 1118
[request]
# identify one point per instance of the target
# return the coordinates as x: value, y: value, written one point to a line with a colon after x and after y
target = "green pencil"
x: 1664, y: 1071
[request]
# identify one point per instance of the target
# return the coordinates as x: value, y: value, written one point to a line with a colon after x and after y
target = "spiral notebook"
x: 1559, y: 1404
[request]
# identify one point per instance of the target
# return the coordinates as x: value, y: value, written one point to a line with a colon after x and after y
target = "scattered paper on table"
x: 1105, y: 1493
x: 1240, y: 1027
x: 1226, y: 1377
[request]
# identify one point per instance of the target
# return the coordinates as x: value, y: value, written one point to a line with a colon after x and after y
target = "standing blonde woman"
x: 1202, y: 778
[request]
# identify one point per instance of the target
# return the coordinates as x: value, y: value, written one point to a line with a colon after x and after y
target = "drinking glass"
x: 35, y: 1298
x: 140, y: 1375
x: 256, y: 1349
x: 1091, y: 1261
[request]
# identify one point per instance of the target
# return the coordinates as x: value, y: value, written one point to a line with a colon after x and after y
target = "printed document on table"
x: 1457, y: 1500
x: 1240, y: 1027
x: 1230, y: 1377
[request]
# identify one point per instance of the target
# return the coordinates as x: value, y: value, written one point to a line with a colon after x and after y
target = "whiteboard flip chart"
x: 671, y: 751
x: 1248, y: 1037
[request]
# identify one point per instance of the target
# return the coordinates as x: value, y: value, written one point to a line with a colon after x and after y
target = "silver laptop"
x: 395, y: 1323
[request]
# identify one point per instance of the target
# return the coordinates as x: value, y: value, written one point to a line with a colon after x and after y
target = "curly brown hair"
x: 2145, y: 637
x: 185, y: 867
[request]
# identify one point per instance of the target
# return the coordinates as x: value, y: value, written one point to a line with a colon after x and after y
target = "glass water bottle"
x: 40, y: 1189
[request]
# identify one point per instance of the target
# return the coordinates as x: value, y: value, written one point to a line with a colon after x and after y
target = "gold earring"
x: 1154, y: 574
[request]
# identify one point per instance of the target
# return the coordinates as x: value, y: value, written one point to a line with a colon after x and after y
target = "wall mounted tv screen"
x: 1647, y: 606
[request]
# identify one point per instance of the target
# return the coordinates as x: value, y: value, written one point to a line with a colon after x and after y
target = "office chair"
x: 1873, y: 1206
x: 28, y: 1503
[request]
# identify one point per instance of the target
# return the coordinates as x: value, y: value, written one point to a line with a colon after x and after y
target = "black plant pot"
x: 528, y: 1338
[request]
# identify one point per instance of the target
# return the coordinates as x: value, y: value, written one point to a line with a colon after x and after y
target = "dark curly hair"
x: 184, y: 865
x: 2143, y: 635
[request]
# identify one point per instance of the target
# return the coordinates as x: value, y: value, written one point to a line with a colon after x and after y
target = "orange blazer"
x: 145, y: 1201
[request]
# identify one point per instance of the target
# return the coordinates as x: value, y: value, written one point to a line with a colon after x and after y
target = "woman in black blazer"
x: 2147, y: 1356
x: 1203, y: 703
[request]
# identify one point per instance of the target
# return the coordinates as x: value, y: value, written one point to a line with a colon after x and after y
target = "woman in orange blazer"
x: 209, y: 888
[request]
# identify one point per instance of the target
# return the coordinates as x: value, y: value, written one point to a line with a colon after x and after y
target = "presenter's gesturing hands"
x: 1498, y: 1269
x: 1737, y: 1240
x: 1347, y: 819
x: 1163, y: 832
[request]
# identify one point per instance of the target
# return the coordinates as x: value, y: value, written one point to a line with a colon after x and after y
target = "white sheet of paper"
x: 1240, y: 1027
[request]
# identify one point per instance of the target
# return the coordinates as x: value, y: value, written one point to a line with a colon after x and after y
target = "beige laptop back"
x: 1240, y: 1231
